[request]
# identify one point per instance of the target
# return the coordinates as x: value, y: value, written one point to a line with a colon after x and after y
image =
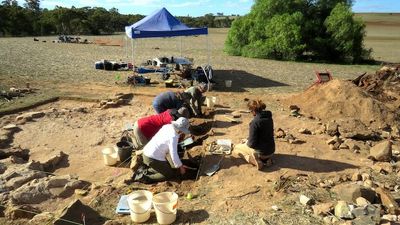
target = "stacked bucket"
x: 165, y: 206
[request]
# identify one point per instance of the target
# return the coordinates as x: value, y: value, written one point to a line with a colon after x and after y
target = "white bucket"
x: 165, y: 205
x: 140, y: 205
x: 110, y: 156
x: 228, y: 83
x: 210, y: 101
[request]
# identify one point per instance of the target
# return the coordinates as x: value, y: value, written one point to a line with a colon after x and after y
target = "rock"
x: 395, y: 131
x: 81, y: 192
x: 16, y: 160
x: 382, y: 167
x: 280, y: 133
x: 350, y: 192
x: 52, y: 161
x: 387, y: 200
x: 36, y: 114
x: 321, y: 129
x: 80, y: 109
x: 42, y: 218
x: 21, y: 212
x: 365, y: 176
x: 323, y: 209
x: 15, y: 151
x: 30, y: 115
x: 21, y: 119
x: 356, y: 176
x: 332, y: 128
x: 112, y: 222
x: 33, y: 165
x: 3, y: 168
x: 395, y: 150
x: 385, y: 135
x: 333, y: 140
x: 236, y: 114
x: 68, y: 189
x: 31, y: 193
x: 304, y: 200
x: 58, y: 181
x: 355, y: 129
x: 389, y: 217
x: 330, y: 220
x: 343, y: 146
x: 22, y: 177
x: 371, y: 211
x: 352, y: 144
x: 365, y: 220
x: 73, y: 212
x: 342, y: 210
x: 382, y: 151
x: 333, y: 147
x: 296, y: 141
x: 11, y: 127
x: 304, y: 131
x: 295, y: 113
x: 360, y: 201
x: 368, y: 183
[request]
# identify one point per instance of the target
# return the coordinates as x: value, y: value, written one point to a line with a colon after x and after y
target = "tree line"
x: 299, y: 30
x: 31, y: 20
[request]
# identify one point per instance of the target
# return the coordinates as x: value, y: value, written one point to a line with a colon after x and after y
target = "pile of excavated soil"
x: 340, y: 99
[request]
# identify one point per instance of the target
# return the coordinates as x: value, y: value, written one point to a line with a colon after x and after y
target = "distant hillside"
x: 385, y: 19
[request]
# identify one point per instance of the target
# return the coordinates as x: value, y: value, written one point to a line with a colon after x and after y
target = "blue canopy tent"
x: 162, y: 24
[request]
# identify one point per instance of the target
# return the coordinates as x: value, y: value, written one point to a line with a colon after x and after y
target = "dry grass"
x: 50, y: 66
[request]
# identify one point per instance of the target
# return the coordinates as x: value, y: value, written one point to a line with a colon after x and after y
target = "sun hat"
x: 181, y: 124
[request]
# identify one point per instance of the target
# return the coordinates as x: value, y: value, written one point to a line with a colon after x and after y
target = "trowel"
x: 214, y: 168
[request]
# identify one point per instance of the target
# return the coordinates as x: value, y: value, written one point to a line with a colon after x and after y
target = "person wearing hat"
x: 196, y: 98
x: 155, y: 153
x: 145, y: 128
x: 170, y: 100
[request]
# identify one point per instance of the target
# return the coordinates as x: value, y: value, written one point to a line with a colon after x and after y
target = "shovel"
x: 214, y: 168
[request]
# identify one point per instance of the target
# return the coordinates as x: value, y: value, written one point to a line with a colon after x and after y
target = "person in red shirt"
x: 145, y: 128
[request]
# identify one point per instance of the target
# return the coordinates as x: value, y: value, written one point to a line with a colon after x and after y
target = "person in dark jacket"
x: 170, y: 100
x: 260, y: 145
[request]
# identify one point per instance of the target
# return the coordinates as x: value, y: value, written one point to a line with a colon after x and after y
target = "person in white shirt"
x: 155, y: 152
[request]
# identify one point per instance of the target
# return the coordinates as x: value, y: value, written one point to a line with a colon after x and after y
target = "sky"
x: 199, y: 7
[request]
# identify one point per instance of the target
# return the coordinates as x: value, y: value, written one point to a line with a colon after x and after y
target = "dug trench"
x: 66, y: 137
x: 237, y: 192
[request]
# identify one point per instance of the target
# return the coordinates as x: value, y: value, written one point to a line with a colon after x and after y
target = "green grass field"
x: 53, y: 66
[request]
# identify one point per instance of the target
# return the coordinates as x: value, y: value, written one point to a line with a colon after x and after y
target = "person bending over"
x: 145, y: 128
x: 260, y: 145
x: 155, y: 152
x: 170, y: 100
x: 196, y: 98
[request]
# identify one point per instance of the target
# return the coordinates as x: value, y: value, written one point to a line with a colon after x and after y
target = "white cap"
x: 181, y: 124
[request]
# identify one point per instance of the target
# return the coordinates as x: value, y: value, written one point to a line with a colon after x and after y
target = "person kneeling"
x: 155, y: 153
x: 260, y: 145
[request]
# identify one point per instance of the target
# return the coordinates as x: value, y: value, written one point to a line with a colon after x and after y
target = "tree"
x: 295, y: 29
x: 346, y: 32
x: 33, y: 5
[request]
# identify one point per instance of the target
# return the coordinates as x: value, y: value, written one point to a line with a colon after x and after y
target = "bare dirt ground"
x: 238, y: 193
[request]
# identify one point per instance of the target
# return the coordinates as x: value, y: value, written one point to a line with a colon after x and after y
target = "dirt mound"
x: 339, y: 99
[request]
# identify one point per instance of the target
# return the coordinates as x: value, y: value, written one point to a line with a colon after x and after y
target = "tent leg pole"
x: 133, y: 49
x: 208, y: 50
x: 180, y: 47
